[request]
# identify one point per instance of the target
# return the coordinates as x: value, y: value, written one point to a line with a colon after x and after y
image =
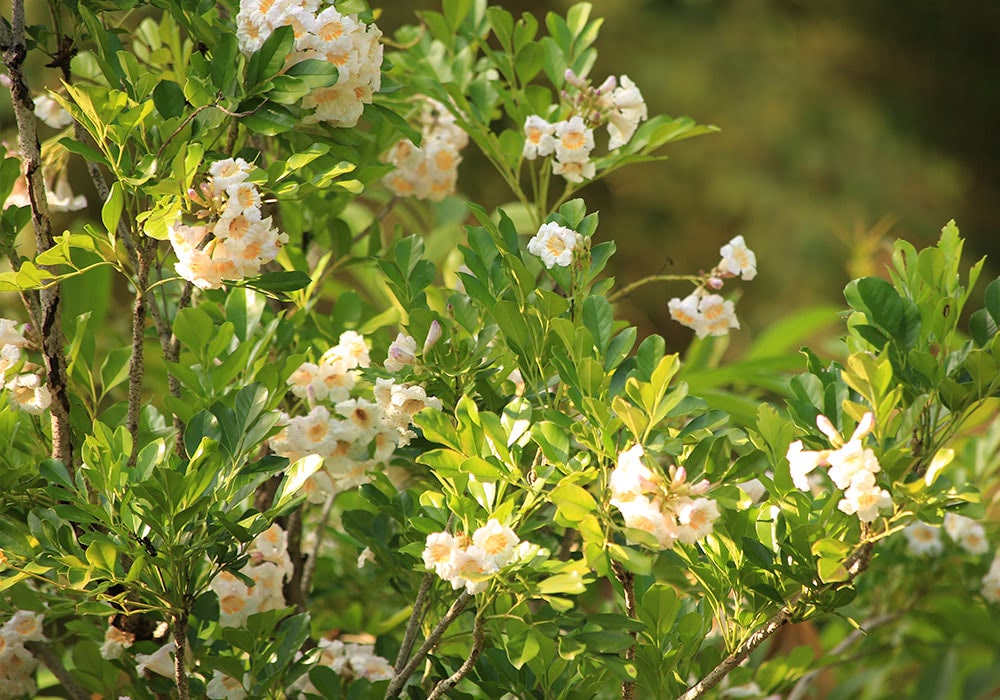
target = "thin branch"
x: 478, y: 639
x: 309, y: 568
x: 136, y: 362
x: 399, y: 680
x: 14, y: 49
x: 409, y: 637
x: 54, y: 664
x: 629, y: 288
x: 627, y: 580
x: 180, y: 620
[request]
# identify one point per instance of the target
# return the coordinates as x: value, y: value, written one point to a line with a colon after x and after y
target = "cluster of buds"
x: 321, y: 33
x: 349, y: 661
x: 620, y: 106
x: 430, y: 170
x: 357, y: 434
x: 269, y: 567
x: 239, y: 239
x: 24, y: 389
x: 671, y: 511
x: 704, y: 311
x: 469, y: 562
x: 852, y: 468
x: 17, y: 664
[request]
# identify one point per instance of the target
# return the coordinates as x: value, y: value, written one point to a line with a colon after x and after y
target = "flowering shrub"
x: 330, y: 460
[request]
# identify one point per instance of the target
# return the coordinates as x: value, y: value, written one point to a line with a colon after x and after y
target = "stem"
x: 44, y: 652
x: 171, y: 353
x: 136, y: 363
x: 180, y: 620
x: 478, y: 639
x: 629, y: 288
x: 14, y: 50
x: 399, y: 680
x: 409, y: 637
x: 309, y: 569
x: 627, y: 580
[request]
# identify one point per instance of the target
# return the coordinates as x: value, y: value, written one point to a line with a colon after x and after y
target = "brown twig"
x: 409, y: 637
x: 478, y: 639
x: 309, y: 568
x: 136, y: 362
x: 627, y: 580
x: 399, y: 680
x: 180, y: 630
x: 49, y: 316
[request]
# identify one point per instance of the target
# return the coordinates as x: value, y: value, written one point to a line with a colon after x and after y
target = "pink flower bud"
x: 401, y: 356
x: 714, y: 283
x: 700, y: 487
x: 573, y: 79
x: 608, y: 85
x: 827, y: 428
x: 680, y: 476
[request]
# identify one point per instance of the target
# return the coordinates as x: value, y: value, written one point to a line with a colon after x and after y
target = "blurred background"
x: 844, y: 124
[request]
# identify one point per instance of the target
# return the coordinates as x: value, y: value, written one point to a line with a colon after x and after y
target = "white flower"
x: 10, y: 335
x: 160, y: 661
x: 865, y: 498
x: 968, y: 533
x: 24, y: 626
x: 574, y: 140
x: 439, y: 552
x: 737, y: 259
x: 630, y: 477
x: 539, y: 137
x: 629, y: 109
x: 402, y: 352
x: 554, y: 244
x: 51, y: 112
x: 695, y: 519
x: 573, y: 170
x: 223, y: 687
x: 641, y: 513
x: 706, y: 314
x: 29, y: 394
x: 497, y: 541
x: 61, y: 198
x: 754, y: 488
x: 922, y: 539
x: 228, y: 172
x: 115, y: 642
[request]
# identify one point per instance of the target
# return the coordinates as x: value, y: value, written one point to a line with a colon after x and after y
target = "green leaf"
x: 224, y: 61
x: 266, y: 117
x: 111, y: 212
x: 103, y: 555
x: 598, y: 318
x: 169, y: 99
x: 314, y: 73
x: 270, y: 58
x: 284, y: 281
x: 993, y: 300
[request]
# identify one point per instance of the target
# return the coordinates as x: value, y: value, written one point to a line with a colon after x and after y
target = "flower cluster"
x: 554, y: 244
x: 268, y: 567
x: 674, y: 512
x: 17, y: 664
x: 350, y: 662
x: 357, y: 434
x: 430, y: 170
x: 469, y: 562
x: 620, y: 107
x: 708, y: 313
x: 335, y: 375
x: 968, y: 533
x: 25, y: 389
x: 321, y: 33
x: 238, y: 242
x: 852, y: 468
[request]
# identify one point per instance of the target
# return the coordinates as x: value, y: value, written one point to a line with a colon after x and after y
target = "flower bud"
x: 608, y: 85
x: 714, y: 283
x: 433, y: 335
x: 573, y: 79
